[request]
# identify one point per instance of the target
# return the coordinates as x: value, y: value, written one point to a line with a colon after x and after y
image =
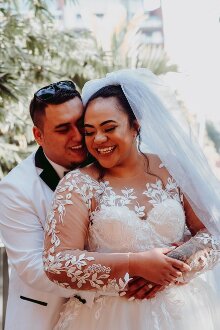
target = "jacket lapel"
x: 48, y: 175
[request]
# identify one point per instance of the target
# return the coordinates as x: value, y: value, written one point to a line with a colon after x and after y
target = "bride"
x: 118, y: 218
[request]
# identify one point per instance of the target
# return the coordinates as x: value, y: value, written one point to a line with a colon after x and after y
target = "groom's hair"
x: 37, y: 105
x: 115, y: 91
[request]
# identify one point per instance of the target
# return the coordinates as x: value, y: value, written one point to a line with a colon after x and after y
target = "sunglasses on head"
x: 47, y: 92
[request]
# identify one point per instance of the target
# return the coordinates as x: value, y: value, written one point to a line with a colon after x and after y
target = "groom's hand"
x: 152, y: 293
x: 138, y: 288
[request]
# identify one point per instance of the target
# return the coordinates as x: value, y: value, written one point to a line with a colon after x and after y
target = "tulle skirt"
x: 192, y: 306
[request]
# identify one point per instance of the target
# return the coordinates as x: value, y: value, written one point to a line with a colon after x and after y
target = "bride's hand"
x: 155, y: 266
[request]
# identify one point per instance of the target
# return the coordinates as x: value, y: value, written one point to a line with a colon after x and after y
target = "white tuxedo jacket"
x: 34, y: 302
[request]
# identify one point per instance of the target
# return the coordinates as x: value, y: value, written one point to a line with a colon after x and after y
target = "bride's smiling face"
x: 108, y: 134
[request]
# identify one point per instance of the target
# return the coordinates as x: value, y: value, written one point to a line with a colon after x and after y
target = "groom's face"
x: 60, y: 135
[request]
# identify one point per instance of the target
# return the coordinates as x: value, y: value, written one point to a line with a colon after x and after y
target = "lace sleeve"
x: 202, y: 251
x: 66, y: 260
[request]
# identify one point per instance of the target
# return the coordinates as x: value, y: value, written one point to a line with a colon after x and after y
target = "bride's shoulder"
x: 154, y: 161
x: 80, y: 178
x: 88, y: 171
x: 157, y: 167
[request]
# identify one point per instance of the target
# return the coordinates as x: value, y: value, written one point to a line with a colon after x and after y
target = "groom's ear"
x: 38, y: 135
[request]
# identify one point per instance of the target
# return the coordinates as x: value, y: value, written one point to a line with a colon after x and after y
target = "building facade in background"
x: 102, y: 18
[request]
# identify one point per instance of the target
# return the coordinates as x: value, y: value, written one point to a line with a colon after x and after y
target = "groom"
x: 25, y: 196
x: 26, y: 192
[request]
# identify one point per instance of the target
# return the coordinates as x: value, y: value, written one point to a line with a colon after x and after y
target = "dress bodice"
x: 125, y: 220
x: 118, y: 229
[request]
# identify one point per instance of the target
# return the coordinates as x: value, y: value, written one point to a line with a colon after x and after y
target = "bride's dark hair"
x: 115, y: 91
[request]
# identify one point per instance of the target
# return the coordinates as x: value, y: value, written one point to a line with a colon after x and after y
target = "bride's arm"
x: 202, y: 251
x: 66, y: 261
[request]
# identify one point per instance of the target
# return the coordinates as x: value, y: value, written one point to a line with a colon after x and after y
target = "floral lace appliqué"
x: 80, y: 268
x: 158, y: 194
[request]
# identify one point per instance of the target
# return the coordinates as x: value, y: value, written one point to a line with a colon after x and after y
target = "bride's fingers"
x: 172, y: 279
x: 169, y: 279
x: 166, y: 279
x: 182, y: 266
x: 179, y: 283
x: 176, y: 244
x: 176, y: 273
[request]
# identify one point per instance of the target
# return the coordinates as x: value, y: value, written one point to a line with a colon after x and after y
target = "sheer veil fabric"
x: 162, y: 135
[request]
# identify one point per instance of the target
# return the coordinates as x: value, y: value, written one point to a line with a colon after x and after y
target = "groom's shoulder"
x: 21, y: 172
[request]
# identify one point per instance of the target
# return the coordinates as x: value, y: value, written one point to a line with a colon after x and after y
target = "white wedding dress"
x: 119, y: 224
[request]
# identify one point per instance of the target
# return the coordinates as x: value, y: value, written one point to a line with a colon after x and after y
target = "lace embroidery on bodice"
x: 105, y: 195
x: 118, y: 223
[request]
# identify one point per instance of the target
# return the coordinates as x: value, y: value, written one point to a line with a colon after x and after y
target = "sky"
x: 192, y: 39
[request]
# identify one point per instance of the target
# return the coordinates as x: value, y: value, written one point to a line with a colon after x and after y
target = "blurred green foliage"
x: 34, y: 51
